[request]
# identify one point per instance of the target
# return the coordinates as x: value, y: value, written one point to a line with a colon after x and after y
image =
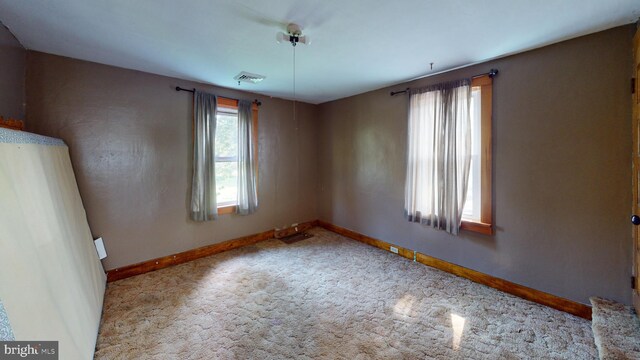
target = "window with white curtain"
x: 228, y: 154
x: 448, y: 180
x: 225, y: 157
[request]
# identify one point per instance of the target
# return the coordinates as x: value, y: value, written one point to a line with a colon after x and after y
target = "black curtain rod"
x: 178, y: 88
x: 193, y: 91
x: 492, y: 73
x: 400, y: 92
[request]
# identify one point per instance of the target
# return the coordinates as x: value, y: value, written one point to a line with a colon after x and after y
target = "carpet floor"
x: 327, y: 297
x: 616, y: 330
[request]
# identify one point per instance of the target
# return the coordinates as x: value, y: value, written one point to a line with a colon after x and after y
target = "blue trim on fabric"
x: 8, y: 136
x: 6, y: 333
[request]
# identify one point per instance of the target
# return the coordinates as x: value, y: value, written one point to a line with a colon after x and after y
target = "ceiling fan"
x: 293, y: 35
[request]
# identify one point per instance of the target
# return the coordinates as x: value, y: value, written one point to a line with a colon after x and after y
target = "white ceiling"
x: 356, y: 46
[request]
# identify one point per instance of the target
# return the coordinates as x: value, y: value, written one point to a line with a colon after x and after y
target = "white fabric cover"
x: 204, y: 206
x: 438, y: 155
x: 51, y: 280
x: 247, y: 177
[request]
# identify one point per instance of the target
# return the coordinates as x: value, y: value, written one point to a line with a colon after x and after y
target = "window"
x: 477, y: 214
x: 226, y: 153
x: 471, y: 209
x: 226, y: 157
x: 449, y: 137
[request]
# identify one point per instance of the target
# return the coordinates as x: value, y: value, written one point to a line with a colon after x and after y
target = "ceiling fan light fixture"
x: 304, y: 40
x: 294, y: 35
x: 294, y: 29
x: 280, y: 37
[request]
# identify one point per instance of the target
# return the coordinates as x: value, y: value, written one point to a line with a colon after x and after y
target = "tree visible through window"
x: 226, y: 157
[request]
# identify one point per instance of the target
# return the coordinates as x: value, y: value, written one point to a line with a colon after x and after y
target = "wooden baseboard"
x: 537, y: 296
x: 190, y: 255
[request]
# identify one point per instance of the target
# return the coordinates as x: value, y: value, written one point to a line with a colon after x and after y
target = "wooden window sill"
x: 475, y: 226
x: 229, y: 209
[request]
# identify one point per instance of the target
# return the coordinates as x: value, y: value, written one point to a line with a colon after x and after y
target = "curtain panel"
x: 438, y: 154
x: 247, y: 189
x: 203, y: 186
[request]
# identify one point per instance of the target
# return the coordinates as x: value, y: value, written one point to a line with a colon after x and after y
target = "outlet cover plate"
x: 102, y: 252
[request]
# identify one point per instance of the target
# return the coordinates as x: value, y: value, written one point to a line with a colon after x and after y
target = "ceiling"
x: 356, y: 46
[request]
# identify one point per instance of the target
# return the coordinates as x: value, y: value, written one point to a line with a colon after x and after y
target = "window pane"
x: 227, y: 135
x: 226, y: 158
x: 473, y: 202
x: 226, y: 183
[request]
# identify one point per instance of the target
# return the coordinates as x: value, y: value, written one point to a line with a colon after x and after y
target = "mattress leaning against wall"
x: 51, y: 280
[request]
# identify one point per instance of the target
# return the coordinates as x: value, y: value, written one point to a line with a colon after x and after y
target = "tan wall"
x: 12, y: 73
x: 129, y: 134
x: 562, y: 176
x: 561, y: 164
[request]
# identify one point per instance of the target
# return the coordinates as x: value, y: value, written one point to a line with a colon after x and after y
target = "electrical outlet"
x: 102, y: 253
x: 393, y: 249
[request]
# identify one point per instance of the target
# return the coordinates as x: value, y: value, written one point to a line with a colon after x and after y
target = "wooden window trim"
x: 485, y: 225
x: 12, y: 124
x: 478, y: 227
x: 233, y: 104
x: 229, y: 209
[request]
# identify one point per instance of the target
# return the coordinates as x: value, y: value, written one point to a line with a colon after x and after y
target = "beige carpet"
x: 616, y: 330
x: 327, y: 297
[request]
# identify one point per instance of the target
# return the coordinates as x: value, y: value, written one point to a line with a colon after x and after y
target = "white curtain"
x: 247, y: 189
x: 51, y: 280
x: 203, y: 186
x: 438, y: 155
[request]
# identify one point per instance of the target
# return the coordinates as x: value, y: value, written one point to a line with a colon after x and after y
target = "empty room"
x: 303, y: 179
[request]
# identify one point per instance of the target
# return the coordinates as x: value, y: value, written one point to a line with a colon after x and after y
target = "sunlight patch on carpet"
x: 404, y: 305
x: 457, y: 325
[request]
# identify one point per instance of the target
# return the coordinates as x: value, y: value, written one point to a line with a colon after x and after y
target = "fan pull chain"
x: 294, y: 83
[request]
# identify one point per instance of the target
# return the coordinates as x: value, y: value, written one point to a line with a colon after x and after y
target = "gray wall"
x: 562, y: 175
x: 129, y: 135
x: 12, y: 63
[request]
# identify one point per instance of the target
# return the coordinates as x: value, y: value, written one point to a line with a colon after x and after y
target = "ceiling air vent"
x: 248, y: 78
